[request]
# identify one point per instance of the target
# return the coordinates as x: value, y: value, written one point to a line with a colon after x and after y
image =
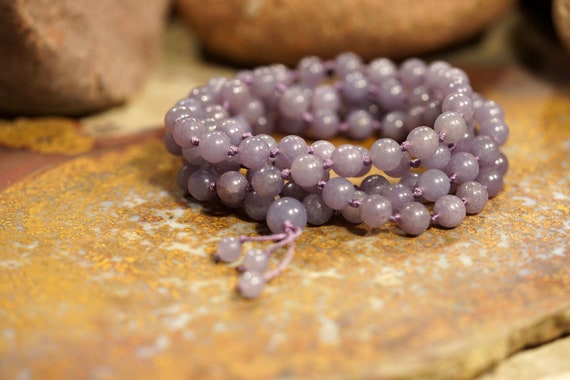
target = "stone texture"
x: 71, y: 57
x: 561, y: 18
x: 107, y: 271
x: 252, y: 31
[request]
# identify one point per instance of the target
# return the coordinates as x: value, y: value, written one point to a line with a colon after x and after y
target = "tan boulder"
x: 71, y: 57
x: 255, y: 31
x: 561, y: 18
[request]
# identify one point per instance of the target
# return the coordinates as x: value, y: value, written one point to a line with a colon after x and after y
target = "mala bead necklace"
x: 438, y: 141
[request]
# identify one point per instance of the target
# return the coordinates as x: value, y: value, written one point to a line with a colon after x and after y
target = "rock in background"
x: 256, y: 32
x: 71, y: 57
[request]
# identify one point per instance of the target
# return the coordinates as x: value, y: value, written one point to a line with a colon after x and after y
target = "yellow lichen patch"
x: 50, y: 135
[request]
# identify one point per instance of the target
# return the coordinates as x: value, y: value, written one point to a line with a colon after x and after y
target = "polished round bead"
x: 231, y: 188
x: 250, y: 284
x: 433, y: 184
x: 311, y: 70
x: 413, y: 218
x: 474, y: 195
x: 410, y: 180
x: 423, y: 142
x: 338, y: 192
x: 355, y: 87
x: 234, y: 128
x: 294, y: 102
x: 489, y: 110
x: 386, y: 154
x: 501, y: 164
x: 375, y: 210
x: 171, y: 145
x: 229, y: 249
x: 463, y: 166
x: 176, y: 113
x: 263, y: 81
x: 318, y: 213
x: 403, y: 167
x: 460, y: 103
x: 235, y: 92
x: 325, y: 124
x: 440, y: 158
x: 491, y: 179
x: 254, y: 152
x: 293, y: 190
x: 323, y: 149
x: 201, y: 185
x: 267, y: 181
x: 412, y: 72
x: 398, y: 195
x: 286, y: 210
x: 187, y: 129
x: 307, y: 170
x: 351, y: 213
x: 214, y: 146
x: 374, y: 184
x: 393, y: 125
x: 495, y: 128
x: 450, y: 211
x: 289, y: 148
x: 451, y: 125
x: 325, y: 97
x: 381, y: 69
x: 229, y: 164
x: 348, y: 160
x: 391, y: 95
x: 256, y: 206
x: 360, y: 125
x: 346, y: 63
x: 255, y: 260
x: 485, y: 149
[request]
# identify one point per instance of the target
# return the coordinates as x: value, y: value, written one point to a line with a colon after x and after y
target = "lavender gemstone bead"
x: 433, y: 184
x: 214, y: 146
x: 254, y: 152
x: 423, y: 142
x: 346, y: 63
x: 185, y: 130
x: 399, y: 195
x: 485, y: 149
x: 375, y: 210
x: 286, y: 209
x: 381, y: 69
x: 475, y: 196
x: 289, y: 148
x: 450, y: 211
x: 293, y: 190
x: 323, y: 149
x: 307, y: 170
x: 348, y: 160
x: 338, y: 192
x: 231, y: 187
x: 229, y: 249
x: 355, y: 87
x: 412, y: 72
x: 325, y: 124
x: 496, y: 128
x: 374, y: 184
x: 386, y: 154
x: 463, y: 166
x: 350, y: 213
x: 255, y: 260
x: 414, y: 218
x: 440, y: 158
x: 325, y: 97
x: 394, y: 125
x: 451, y: 125
x: 171, y: 145
x: 410, y: 180
x: 311, y: 71
x: 201, y: 185
x: 318, y: 213
x: 360, y: 125
x: 403, y: 167
x: 491, y: 179
x: 460, y: 103
x: 294, y: 102
x: 267, y: 181
x: 234, y: 128
x: 256, y: 206
x: 250, y: 284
